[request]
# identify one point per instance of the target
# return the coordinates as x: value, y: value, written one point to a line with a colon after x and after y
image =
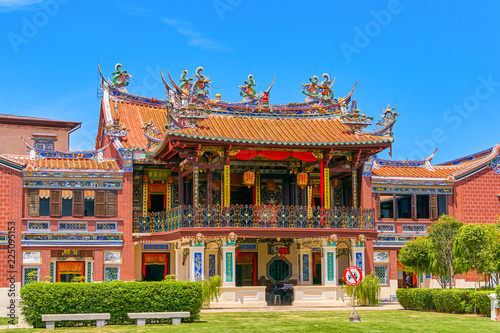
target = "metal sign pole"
x: 353, y: 279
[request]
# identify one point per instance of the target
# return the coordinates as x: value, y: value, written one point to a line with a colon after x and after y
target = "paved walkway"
x: 287, y: 308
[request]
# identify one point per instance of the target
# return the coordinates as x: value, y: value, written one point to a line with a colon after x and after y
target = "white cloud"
x: 11, y: 5
x: 195, y: 38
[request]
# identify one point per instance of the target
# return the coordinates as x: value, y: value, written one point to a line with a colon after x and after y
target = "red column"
x: 45, y: 268
x: 369, y: 257
x: 98, y: 265
x: 126, y: 213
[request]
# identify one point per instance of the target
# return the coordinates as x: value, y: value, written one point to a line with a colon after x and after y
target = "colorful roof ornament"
x: 35, y: 153
x: 150, y: 131
x: 120, y: 78
x: 319, y: 91
x: 389, y: 116
x: 200, y: 87
x: 185, y: 82
x: 387, y: 122
x: 248, y: 91
x: 354, y: 119
x: 113, y: 128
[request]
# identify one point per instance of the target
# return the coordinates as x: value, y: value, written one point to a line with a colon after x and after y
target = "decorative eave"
x: 271, y: 142
x: 11, y: 163
x: 36, y: 153
x: 423, y: 163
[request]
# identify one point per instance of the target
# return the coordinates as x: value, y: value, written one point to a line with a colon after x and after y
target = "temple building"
x: 277, y: 199
x: 269, y: 197
x: 408, y: 196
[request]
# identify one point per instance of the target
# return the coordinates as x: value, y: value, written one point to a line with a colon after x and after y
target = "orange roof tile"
x: 68, y: 164
x: 258, y: 130
x: 413, y: 172
x: 133, y: 116
x: 440, y: 171
x: 287, y: 131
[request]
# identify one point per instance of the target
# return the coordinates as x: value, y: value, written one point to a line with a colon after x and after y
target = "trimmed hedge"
x: 444, y: 300
x: 118, y: 298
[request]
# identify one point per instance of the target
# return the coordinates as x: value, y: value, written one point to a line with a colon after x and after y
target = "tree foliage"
x: 367, y: 292
x: 416, y: 255
x: 474, y: 248
x: 442, y: 236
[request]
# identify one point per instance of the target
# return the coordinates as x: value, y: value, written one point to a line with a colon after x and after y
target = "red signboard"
x: 353, y: 276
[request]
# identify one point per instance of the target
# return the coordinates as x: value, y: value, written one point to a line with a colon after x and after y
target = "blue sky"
x: 438, y: 62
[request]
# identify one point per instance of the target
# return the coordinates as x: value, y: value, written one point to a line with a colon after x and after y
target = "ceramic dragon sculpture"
x: 120, y: 78
x: 185, y: 82
x: 319, y: 91
x: 248, y: 91
x: 311, y: 89
x: 201, y: 85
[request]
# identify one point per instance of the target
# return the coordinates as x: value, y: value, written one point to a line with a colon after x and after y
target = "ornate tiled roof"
x: 140, y: 123
x: 421, y: 169
x: 413, y: 172
x: 134, y: 116
x: 74, y: 164
x: 285, y: 131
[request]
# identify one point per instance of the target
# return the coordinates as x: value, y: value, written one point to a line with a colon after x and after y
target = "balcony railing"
x: 256, y: 217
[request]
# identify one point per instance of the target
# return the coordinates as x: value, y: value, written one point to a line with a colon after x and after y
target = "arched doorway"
x: 343, y: 260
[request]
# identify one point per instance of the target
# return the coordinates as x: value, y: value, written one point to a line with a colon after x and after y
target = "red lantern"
x: 302, y: 179
x: 170, y: 180
x: 249, y: 178
x: 335, y: 182
x: 283, y: 251
x: 237, y: 251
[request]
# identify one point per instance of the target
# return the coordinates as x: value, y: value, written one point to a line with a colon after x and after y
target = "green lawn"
x: 402, y: 321
x: 5, y: 321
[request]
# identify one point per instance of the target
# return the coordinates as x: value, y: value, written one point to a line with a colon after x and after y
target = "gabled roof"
x: 420, y: 169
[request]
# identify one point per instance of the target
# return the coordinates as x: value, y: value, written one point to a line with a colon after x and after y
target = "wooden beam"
x: 187, y: 172
x: 338, y: 169
x: 211, y: 166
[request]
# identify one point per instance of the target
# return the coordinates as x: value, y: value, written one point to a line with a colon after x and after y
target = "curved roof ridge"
x: 481, y: 162
x: 469, y: 157
x: 422, y: 163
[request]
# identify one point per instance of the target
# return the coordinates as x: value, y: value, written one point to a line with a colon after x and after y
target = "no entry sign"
x: 353, y: 276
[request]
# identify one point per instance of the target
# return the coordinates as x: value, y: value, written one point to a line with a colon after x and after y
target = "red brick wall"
x: 367, y: 198
x: 10, y: 211
x: 476, y: 198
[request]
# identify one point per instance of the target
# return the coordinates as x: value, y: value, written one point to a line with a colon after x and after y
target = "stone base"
x: 236, y: 297
x: 319, y: 296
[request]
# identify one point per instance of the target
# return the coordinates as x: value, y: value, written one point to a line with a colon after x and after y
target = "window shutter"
x: 33, y: 203
x: 413, y: 206
x: 55, y: 203
x: 377, y: 206
x: 434, y: 207
x: 78, y: 203
x: 111, y: 204
x: 100, y: 203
